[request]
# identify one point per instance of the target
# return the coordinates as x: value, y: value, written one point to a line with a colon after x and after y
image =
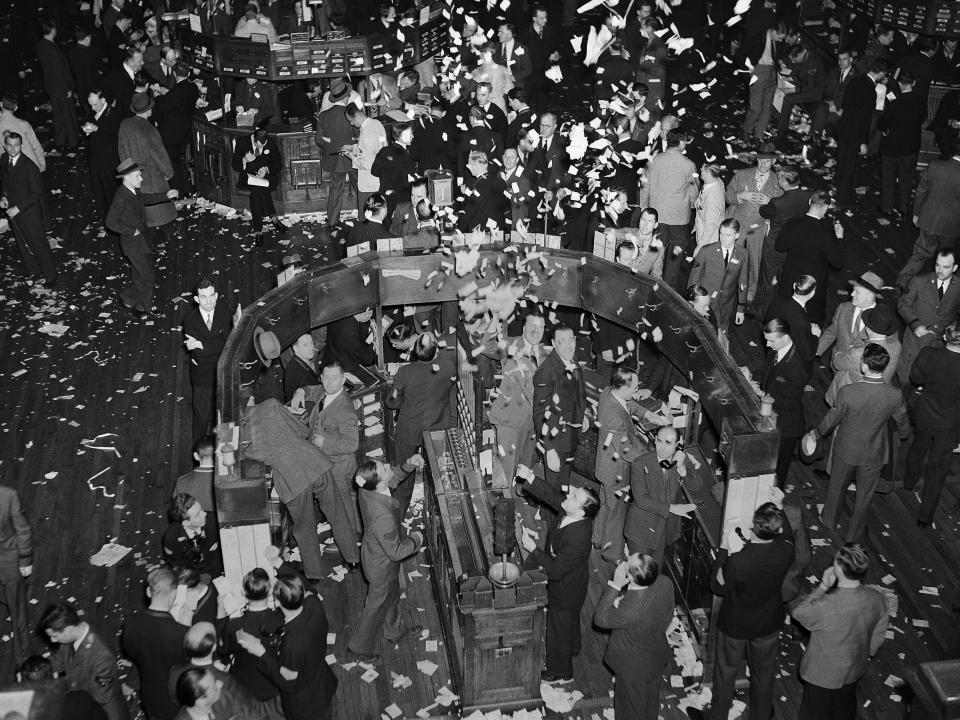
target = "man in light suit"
x: 206, y: 331
x: 928, y: 307
x: 935, y: 212
x: 722, y: 268
x: 847, y: 327
x: 86, y: 660
x: 861, y: 443
x: 335, y: 429
x: 512, y: 409
x: 711, y: 206
x: 653, y: 518
x: 16, y: 565
x: 618, y: 446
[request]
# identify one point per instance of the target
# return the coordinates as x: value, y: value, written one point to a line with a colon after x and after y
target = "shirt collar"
x: 621, y: 401
x: 101, y: 111
x: 327, y: 399
x: 782, y: 352
x: 567, y: 520
x: 79, y: 640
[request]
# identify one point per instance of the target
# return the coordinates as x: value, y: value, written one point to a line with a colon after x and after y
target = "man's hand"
x: 815, y: 330
x: 4, y: 204
x: 921, y: 331
x: 262, y: 172
x: 553, y: 460
x: 838, y: 229
x: 298, y: 399
x: 525, y: 474
x: 13, y: 212
x: 173, y: 194
x: 829, y: 578
x: 249, y: 157
x: 251, y: 644
x: 863, y: 148
x: 682, y: 509
x: 555, y: 57
x: 642, y: 394
x: 288, y: 674
x: 738, y: 320
x: 272, y: 555
x: 416, y: 461
x: 124, y: 688
x: 529, y: 544
x: 192, y: 343
x: 26, y: 571
x: 318, y: 440
x: 621, y: 576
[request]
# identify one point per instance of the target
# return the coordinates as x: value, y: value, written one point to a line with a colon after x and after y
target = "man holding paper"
x: 257, y: 160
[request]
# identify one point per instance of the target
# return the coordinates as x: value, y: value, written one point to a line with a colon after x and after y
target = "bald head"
x: 200, y: 641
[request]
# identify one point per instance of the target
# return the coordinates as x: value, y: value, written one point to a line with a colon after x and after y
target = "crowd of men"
x: 756, y: 243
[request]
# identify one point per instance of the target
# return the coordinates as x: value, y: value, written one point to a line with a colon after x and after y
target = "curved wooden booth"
x: 493, y: 636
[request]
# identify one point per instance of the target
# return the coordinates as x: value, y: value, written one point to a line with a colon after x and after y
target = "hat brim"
x: 766, y: 156
x: 267, y: 362
x: 148, y: 107
x: 810, y: 455
x: 132, y: 168
x: 867, y: 286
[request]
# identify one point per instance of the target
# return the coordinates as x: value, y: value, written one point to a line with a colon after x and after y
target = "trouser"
x: 938, y: 467
x: 261, y: 206
x: 65, y: 126
x: 911, y: 347
x: 820, y: 703
x: 304, y: 516
x: 202, y: 400
x: 335, y: 192
x: 104, y: 188
x: 752, y: 240
x: 784, y: 457
x: 13, y: 597
x: 181, y: 173
x: 923, y: 249
x: 538, y: 89
x: 894, y: 169
x: 608, y: 527
x: 655, y: 552
x: 761, y: 655
x: 35, y: 250
x: 139, y: 294
x: 270, y: 709
x: 558, y: 479
x: 404, y: 491
x: 840, y: 474
x: 381, y: 612
x: 563, y: 641
x: 791, y: 100
x: 761, y: 101
x: 675, y: 266
x: 637, y: 699
x: 848, y: 170
x: 519, y: 446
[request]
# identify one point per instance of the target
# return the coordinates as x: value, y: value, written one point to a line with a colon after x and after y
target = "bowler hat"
x: 127, y: 166
x: 869, y: 281
x: 339, y: 89
x: 812, y: 448
x: 880, y: 320
x: 267, y: 346
x: 767, y: 151
x: 141, y: 103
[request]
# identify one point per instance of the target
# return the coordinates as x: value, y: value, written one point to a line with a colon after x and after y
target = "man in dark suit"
x: 404, y: 219
x: 206, y: 330
x: 119, y: 81
x: 347, y: 342
x: 21, y: 201
x: 936, y: 213
x: 517, y: 101
x: 153, y: 640
x: 510, y: 53
x: 921, y: 65
x: 436, y: 139
x: 174, y: 111
x: 372, y: 227
x: 861, y: 444
x: 103, y: 132
x: 87, y: 63
x: 484, y: 206
x: 937, y: 370
x: 547, y: 165
x: 722, y: 269
x: 118, y: 38
x: 565, y: 558
x: 192, y: 540
x: 810, y: 249
x: 478, y: 138
x: 301, y: 370
x: 58, y: 84
x: 87, y: 661
x: 901, y: 125
x: 853, y: 128
x: 394, y: 166
x: 653, y: 518
x: 928, y: 307
x: 614, y: 75
x: 199, y: 481
x: 838, y: 78
x: 638, y: 606
x: 793, y: 311
x: 493, y: 117
x: 334, y: 131
x: 257, y: 160
x: 792, y: 204
x: 783, y: 377
x: 541, y: 42
x: 16, y: 565
x: 559, y: 404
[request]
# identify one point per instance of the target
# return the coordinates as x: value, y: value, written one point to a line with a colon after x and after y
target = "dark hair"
x: 591, y: 505
x: 695, y: 291
x: 906, y: 78
x: 82, y: 33
x: 199, y: 647
x: 289, y: 591
x: 161, y: 579
x: 256, y: 584
x: 205, y: 446
x: 124, y: 15
x: 651, y: 23
x: 944, y: 251
x: 675, y: 137
x: 821, y: 197
x: 375, y: 203
x: 623, y: 247
x: 47, y: 26
x: 130, y: 52
x: 426, y: 347
x: 58, y: 616
x: 189, y: 689
x: 385, y: 9
x: 14, y: 136
x: 102, y: 93
x: 35, y: 668
x: 476, y: 114
x: 411, y: 75
x: 401, y: 332
x: 368, y: 472
x: 563, y: 328
x: 511, y: 27
x: 876, y: 357
x: 181, y: 69
x: 805, y: 285
x: 354, y: 111
x: 203, y: 283
x: 10, y: 101
x: 651, y: 211
x: 518, y: 94
x: 767, y: 521
x: 189, y: 577
x: 645, y: 571
x: 796, y: 51
x: 951, y: 335
x: 779, y: 27
x: 180, y: 505
x: 777, y: 327
x: 621, y: 377
x: 790, y: 173
x: 882, y: 29
x: 880, y: 65
x: 335, y: 364
x: 533, y: 314
x: 853, y: 560
x: 397, y: 130
x: 731, y: 224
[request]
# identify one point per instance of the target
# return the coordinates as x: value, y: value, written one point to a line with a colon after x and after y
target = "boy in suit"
x: 206, y: 331
x: 565, y: 558
x: 723, y: 269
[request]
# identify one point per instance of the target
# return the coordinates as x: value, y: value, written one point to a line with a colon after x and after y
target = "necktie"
x: 323, y: 403
x: 857, y: 321
x: 726, y: 258
x: 940, y: 290
x: 209, y: 322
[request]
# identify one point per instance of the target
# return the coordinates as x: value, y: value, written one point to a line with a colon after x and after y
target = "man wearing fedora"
x: 880, y: 327
x: 847, y: 326
x: 861, y: 443
x: 128, y: 218
x: 140, y: 141
x: 334, y: 131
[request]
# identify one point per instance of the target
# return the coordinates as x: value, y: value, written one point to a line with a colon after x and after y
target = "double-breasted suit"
x: 103, y: 156
x: 128, y: 218
x: 203, y: 362
x: 649, y: 526
x: 16, y: 551
x: 140, y: 141
x: 58, y: 84
x: 922, y: 305
x: 92, y: 668
x: 810, y: 248
x: 559, y: 402
x: 725, y: 281
x: 784, y: 380
x: 23, y: 189
x: 752, y: 227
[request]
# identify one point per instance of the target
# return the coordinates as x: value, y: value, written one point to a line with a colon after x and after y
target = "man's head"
x: 946, y: 264
x: 256, y: 585
x: 805, y: 286
x: 169, y: 56
x: 884, y: 35
x: 617, y: 200
x: 35, y: 668
x: 548, y: 125
x: 767, y: 521
x: 425, y: 347
x: 483, y: 92
x: 124, y: 21
x: 186, y: 510
x: 676, y: 138
x: 304, y: 347
x: 12, y: 144
x: 879, y: 69
x: 402, y: 336
x: 798, y: 54
x: 667, y: 441
x: 875, y: 360
x: 332, y: 377
x: 778, y: 32
x: 373, y: 475
x: 865, y: 290
x: 289, y: 591
x: 408, y: 78
x: 419, y: 191
x: 729, y: 232
x: 49, y: 29
x: 642, y: 569
x: 906, y: 80
x: 61, y: 623
x: 476, y: 116
x: 388, y: 13
x: 83, y: 35
x: 9, y: 103
x: 506, y: 33
x: 375, y: 208
x: 133, y: 59
x: 626, y: 253
x: 539, y: 17
x: 624, y: 382
x: 477, y: 163
x: 517, y: 99
x: 699, y: 298
x: 533, y: 326
x: 788, y: 177
x: 206, y: 296
x: 199, y: 689
x: 819, y: 203
x: 511, y: 158
x: 204, y: 450
x: 564, y: 343
x: 581, y: 502
x: 851, y: 562
x: 162, y: 587
x: 402, y: 134
x: 649, y: 220
x: 776, y: 333
x: 709, y: 172
x: 844, y: 59
x: 951, y: 336
x: 355, y: 114
x: 200, y: 641
x: 96, y: 99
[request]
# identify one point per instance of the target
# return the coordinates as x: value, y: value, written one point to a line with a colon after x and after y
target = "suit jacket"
x: 23, y: 189
x: 138, y: 139
x: 559, y: 402
x: 748, y: 213
x: 29, y: 144
x: 935, y: 205
x: 102, y: 144
x: 203, y: 361
x: 902, y: 124
x: 92, y: 668
x: 180, y: 551
x: 866, y: 406
x: 924, y: 69
x: 638, y: 650
x: 299, y: 374
x: 57, y: 78
x: 791, y: 204
x: 540, y: 47
x: 495, y: 118
x: 154, y: 641
x: 120, y: 85
x: 834, y: 88
x: 938, y: 371
x: 339, y: 425
x: 482, y: 139
x: 436, y: 143
x: 513, y: 402
x: 784, y: 381
x: 840, y: 331
x: 385, y: 542
x: 859, y: 102
x: 752, y: 585
x: 346, y: 343
x: 484, y: 201
x: 236, y: 702
x: 727, y: 284
x: 520, y: 64
x: 425, y: 238
x: 88, y: 66
x: 673, y: 186
x: 303, y: 649
x: 198, y: 483
x: 16, y: 540
x: 619, y: 443
x: 261, y: 624
x: 614, y: 76
x: 518, y: 186
x: 395, y: 168
x: 921, y: 304
x: 546, y: 168
x: 810, y: 248
x: 270, y: 158
x: 422, y: 395
x: 873, y: 51
x: 404, y: 220
x: 523, y: 121
x: 654, y: 490
x: 367, y: 231
x: 565, y: 556
x: 847, y: 626
x: 175, y: 112
x: 711, y: 208
x: 795, y: 315
x: 127, y: 217
x: 333, y: 132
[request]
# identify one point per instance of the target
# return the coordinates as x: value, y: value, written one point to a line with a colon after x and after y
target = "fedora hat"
x: 267, y: 346
x: 767, y: 151
x: 880, y: 320
x: 141, y: 103
x: 869, y: 281
x: 127, y: 166
x: 339, y: 89
x: 812, y: 448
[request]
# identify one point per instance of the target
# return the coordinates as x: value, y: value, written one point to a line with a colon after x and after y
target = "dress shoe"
x: 695, y: 713
x: 368, y: 658
x: 411, y: 632
x: 131, y: 310
x: 891, y: 214
x: 554, y: 679
x: 353, y: 567
x: 258, y: 239
x: 822, y: 474
x: 149, y: 314
x: 923, y: 524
